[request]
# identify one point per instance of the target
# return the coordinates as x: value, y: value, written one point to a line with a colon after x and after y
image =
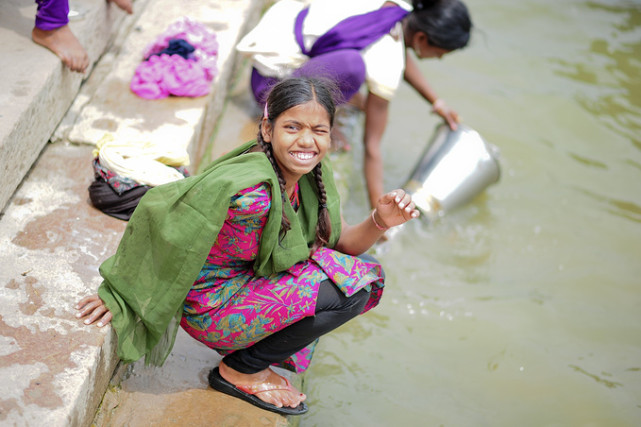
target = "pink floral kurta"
x: 229, y: 308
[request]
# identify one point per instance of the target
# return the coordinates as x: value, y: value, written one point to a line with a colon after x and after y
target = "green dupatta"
x: 171, y: 232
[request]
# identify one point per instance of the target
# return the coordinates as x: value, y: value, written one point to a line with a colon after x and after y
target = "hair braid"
x: 285, y: 225
x: 324, y: 225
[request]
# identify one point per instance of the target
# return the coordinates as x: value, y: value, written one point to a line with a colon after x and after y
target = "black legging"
x: 333, y: 309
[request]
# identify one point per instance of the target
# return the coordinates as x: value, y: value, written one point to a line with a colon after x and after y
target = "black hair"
x: 446, y: 23
x: 283, y: 96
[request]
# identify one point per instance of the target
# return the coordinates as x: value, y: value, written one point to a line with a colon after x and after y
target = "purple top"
x: 355, y: 32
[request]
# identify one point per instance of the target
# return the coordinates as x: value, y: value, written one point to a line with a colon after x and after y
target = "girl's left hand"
x: 395, y: 208
x: 94, y: 310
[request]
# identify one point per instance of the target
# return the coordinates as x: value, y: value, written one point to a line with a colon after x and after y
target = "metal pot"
x: 455, y: 167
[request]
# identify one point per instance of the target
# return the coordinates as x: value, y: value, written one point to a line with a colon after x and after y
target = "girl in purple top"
x: 431, y: 29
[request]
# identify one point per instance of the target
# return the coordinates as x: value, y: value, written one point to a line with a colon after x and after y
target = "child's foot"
x: 63, y: 43
x: 125, y: 5
x: 290, y: 397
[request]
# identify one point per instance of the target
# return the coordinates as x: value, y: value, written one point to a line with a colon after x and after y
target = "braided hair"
x: 283, y: 96
x: 446, y: 23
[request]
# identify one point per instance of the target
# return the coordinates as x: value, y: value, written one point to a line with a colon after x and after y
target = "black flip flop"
x: 220, y: 384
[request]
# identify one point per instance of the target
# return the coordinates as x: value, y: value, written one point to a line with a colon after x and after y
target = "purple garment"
x: 52, y: 14
x: 336, y: 54
x: 355, y: 32
x: 349, y: 76
x: 164, y: 75
x: 197, y: 35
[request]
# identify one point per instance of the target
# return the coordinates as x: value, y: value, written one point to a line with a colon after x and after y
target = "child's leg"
x: 52, y: 14
x: 332, y: 310
x: 250, y: 366
x: 52, y: 31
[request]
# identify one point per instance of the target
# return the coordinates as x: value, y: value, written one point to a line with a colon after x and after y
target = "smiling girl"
x: 252, y: 257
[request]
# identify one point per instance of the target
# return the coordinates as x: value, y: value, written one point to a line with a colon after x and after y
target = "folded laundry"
x: 117, y: 195
x: 145, y: 162
x: 196, y: 34
x: 166, y: 75
x: 120, y: 206
x: 169, y: 69
x: 118, y: 183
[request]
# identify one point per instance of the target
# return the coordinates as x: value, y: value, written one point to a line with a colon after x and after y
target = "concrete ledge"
x: 189, y: 122
x: 178, y: 394
x: 54, y: 370
x: 36, y: 89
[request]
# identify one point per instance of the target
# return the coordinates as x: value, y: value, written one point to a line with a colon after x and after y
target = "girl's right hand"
x: 395, y: 208
x: 94, y: 309
x: 450, y: 116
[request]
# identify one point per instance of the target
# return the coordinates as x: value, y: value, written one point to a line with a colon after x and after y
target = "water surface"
x: 523, y: 307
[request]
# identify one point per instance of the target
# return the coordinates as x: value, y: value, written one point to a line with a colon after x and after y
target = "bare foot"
x: 279, y: 398
x: 125, y: 5
x: 63, y: 43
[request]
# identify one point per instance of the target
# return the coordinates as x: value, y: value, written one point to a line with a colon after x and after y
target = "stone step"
x: 36, y: 89
x: 54, y: 370
x: 114, y: 109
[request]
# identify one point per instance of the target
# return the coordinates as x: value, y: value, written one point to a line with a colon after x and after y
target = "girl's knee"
x: 362, y: 298
x: 330, y: 298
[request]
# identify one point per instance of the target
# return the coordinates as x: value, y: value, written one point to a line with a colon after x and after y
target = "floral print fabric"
x: 228, y: 308
x: 119, y: 183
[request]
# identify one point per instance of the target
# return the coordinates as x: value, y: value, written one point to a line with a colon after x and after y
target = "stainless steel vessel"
x: 455, y: 167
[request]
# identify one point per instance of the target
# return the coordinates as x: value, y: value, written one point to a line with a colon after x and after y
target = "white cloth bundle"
x: 144, y: 162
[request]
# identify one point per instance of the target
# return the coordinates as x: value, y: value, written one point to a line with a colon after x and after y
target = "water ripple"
x: 607, y: 383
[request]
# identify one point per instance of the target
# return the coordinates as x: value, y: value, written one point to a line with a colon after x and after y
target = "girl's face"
x: 423, y: 48
x: 429, y: 51
x: 300, y: 138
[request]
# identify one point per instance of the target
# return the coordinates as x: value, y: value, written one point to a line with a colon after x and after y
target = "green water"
x: 524, y: 307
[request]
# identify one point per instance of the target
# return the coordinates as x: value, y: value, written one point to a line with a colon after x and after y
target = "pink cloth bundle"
x: 162, y: 75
